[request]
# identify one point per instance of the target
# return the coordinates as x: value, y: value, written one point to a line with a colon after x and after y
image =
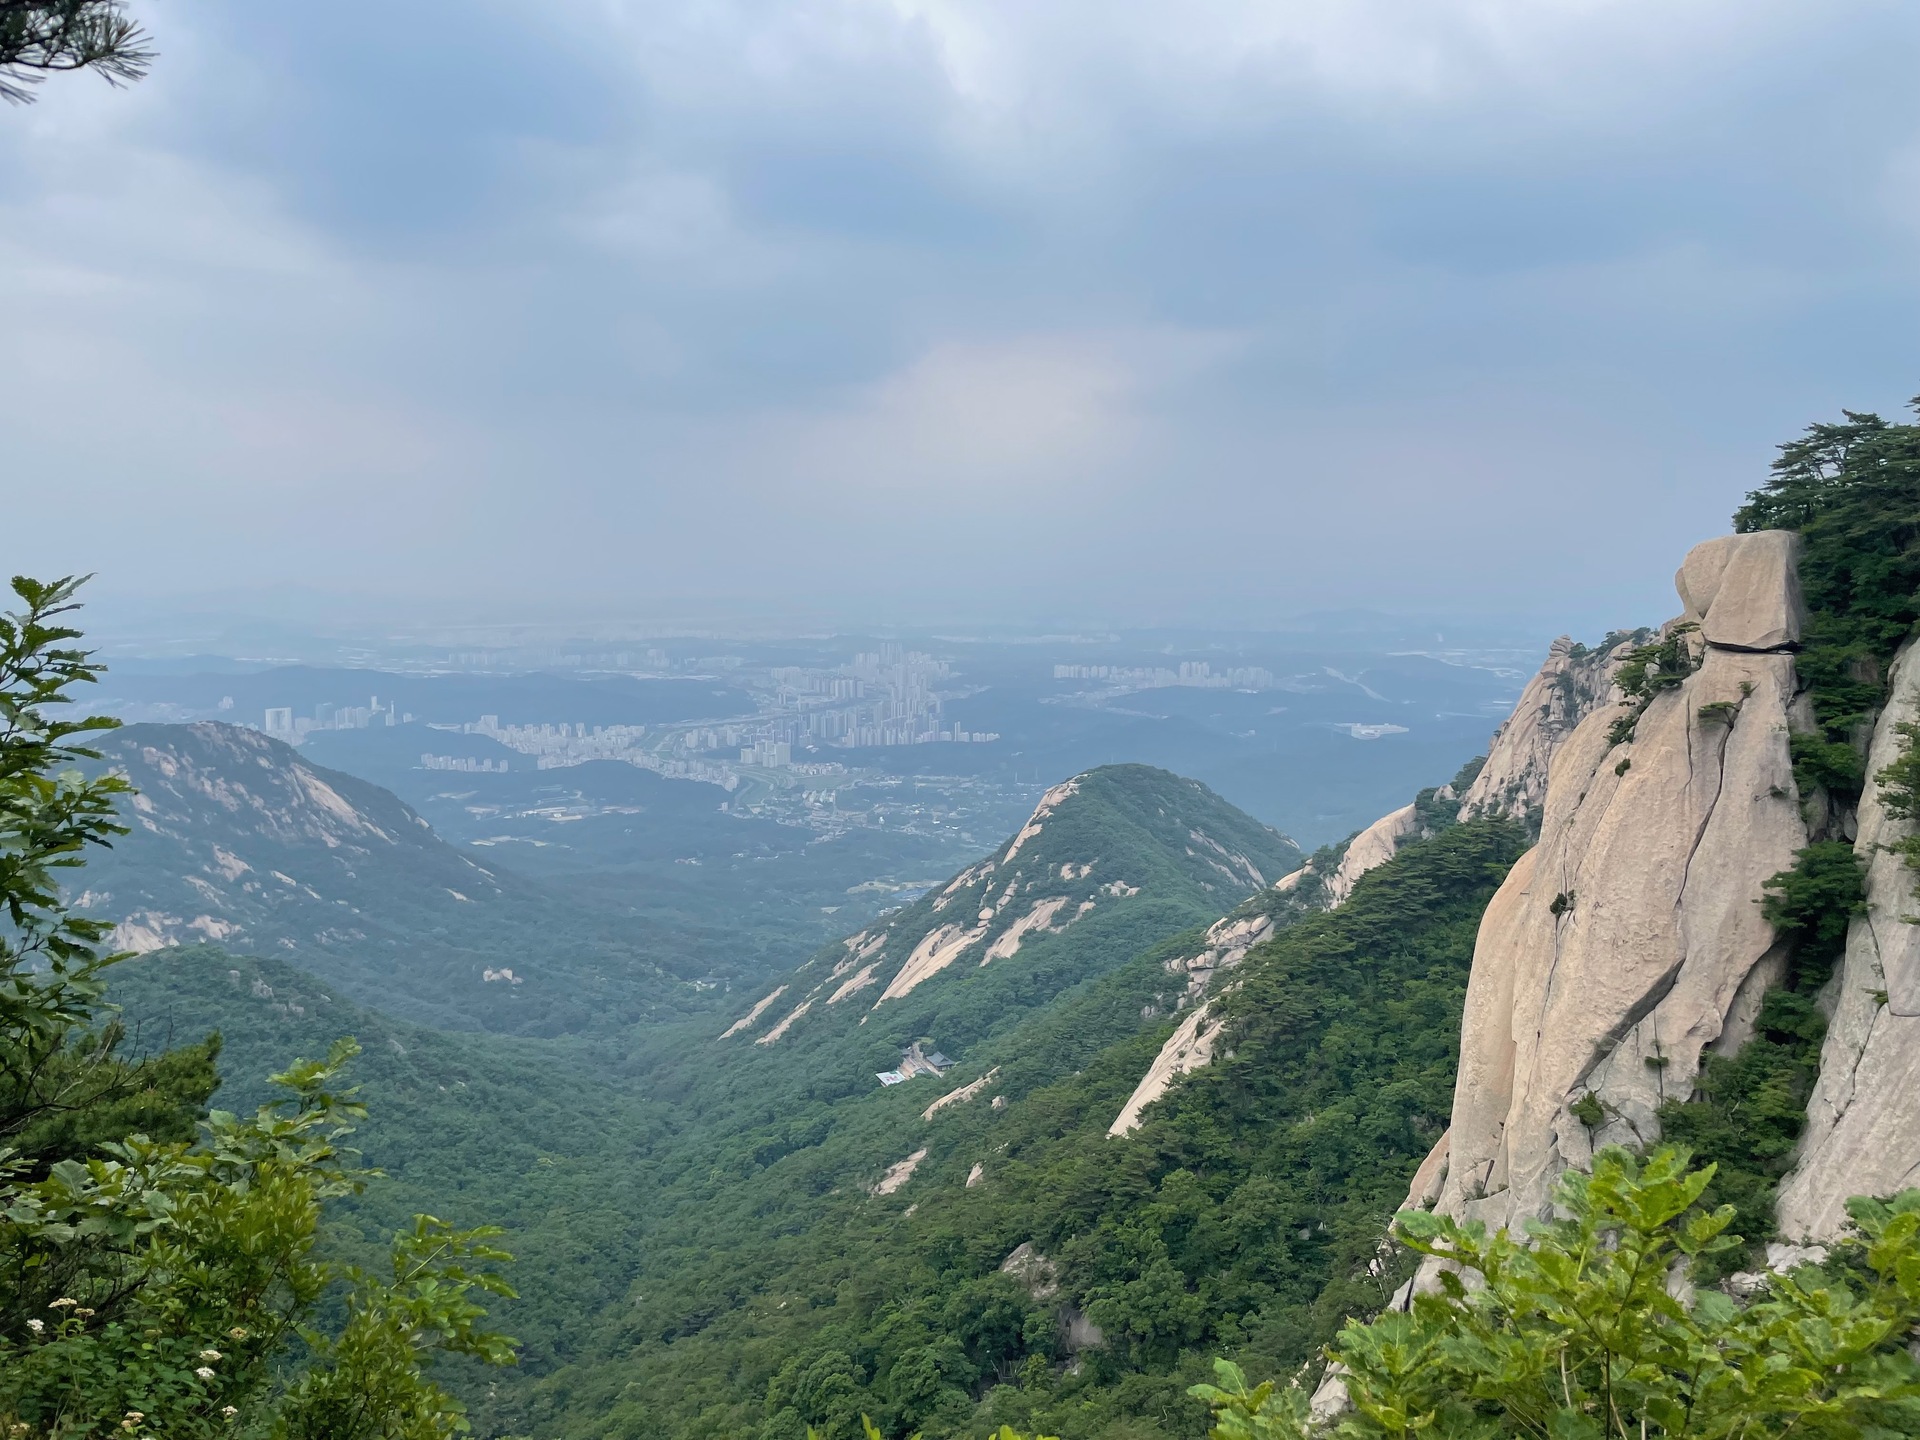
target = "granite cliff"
x: 1629, y: 940
x: 1574, y: 682
x: 1863, y: 1125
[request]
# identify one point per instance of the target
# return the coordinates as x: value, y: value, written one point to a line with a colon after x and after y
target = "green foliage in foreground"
x: 1746, y: 1114
x: 163, y: 1283
x: 149, y: 1284
x: 1574, y: 1335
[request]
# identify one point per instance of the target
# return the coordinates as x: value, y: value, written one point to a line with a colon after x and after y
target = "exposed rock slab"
x: 1570, y: 685
x: 1863, y: 1121
x: 1568, y: 688
x: 1188, y: 1048
x: 1423, y: 1192
x: 1616, y: 950
x: 1370, y: 849
x: 1744, y: 590
x: 786, y: 1023
x: 960, y: 1096
x: 898, y: 1173
x: 752, y: 1017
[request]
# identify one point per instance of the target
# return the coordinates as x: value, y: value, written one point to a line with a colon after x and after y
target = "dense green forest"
x: 1241, y: 1218
x: 749, y: 1235
x: 698, y: 1250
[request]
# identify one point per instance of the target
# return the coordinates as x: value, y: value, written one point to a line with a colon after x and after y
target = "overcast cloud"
x: 1224, y: 308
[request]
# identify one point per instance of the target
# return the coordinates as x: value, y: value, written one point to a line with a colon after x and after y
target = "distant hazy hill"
x: 236, y: 839
x: 453, y: 698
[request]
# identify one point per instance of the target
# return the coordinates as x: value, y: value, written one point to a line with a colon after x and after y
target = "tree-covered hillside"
x: 1111, y: 861
x: 620, y: 1155
x: 717, y: 1235
x: 235, y: 838
x: 1032, y: 1269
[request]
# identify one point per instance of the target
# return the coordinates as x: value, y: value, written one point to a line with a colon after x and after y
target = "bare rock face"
x: 1369, y: 850
x: 1863, y: 1122
x: 1620, y: 946
x: 1744, y: 590
x: 1571, y: 685
x: 1188, y: 1048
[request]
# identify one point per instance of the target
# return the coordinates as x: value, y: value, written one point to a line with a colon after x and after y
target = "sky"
x: 1022, y: 310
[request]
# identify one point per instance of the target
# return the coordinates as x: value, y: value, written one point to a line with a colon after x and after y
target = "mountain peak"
x: 1107, y: 840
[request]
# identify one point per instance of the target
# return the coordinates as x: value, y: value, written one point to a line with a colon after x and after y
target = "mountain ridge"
x: 235, y: 838
x: 1113, y: 840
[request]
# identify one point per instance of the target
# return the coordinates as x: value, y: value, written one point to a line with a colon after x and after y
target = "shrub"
x: 1575, y: 1336
x: 151, y: 1285
x: 1899, y: 784
x: 1832, y: 765
x: 1815, y: 903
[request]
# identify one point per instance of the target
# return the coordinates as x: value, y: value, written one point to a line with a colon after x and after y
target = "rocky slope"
x: 234, y: 838
x: 1629, y: 943
x: 1629, y: 940
x: 1573, y: 683
x: 1863, y: 1125
x: 1114, y: 843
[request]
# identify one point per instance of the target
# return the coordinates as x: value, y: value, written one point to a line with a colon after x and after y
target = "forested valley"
x: 1124, y: 1107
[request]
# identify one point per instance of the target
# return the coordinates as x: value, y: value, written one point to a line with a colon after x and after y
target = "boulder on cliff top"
x: 1744, y: 590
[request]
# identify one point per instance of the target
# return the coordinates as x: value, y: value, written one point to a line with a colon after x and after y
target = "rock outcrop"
x: 1371, y: 848
x: 1744, y: 590
x: 1863, y: 1122
x: 1188, y: 1048
x: 1573, y: 683
x: 1629, y: 940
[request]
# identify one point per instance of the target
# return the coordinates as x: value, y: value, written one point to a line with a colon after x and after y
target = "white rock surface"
x: 1744, y: 590
x: 1568, y: 688
x: 937, y: 949
x: 898, y: 1173
x: 1032, y: 1270
x: 1863, y: 1122
x: 1618, y: 947
x: 786, y: 1023
x: 1227, y: 944
x: 960, y: 1096
x: 1007, y: 944
x: 1368, y: 850
x: 1423, y: 1192
x: 1571, y: 684
x: 752, y: 1017
x: 1188, y: 1048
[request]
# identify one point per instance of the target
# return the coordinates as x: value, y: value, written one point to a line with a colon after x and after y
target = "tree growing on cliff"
x: 39, y: 38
